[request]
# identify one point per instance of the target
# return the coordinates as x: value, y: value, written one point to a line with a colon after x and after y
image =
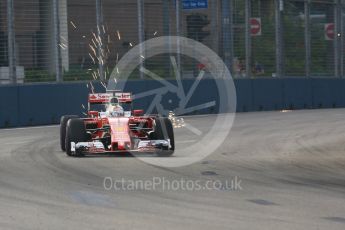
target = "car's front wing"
x: 97, y: 147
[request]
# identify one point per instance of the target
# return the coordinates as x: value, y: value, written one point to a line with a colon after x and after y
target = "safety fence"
x: 60, y: 40
x: 45, y: 103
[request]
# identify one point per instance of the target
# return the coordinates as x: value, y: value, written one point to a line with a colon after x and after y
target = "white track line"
x: 33, y: 127
x: 185, y: 142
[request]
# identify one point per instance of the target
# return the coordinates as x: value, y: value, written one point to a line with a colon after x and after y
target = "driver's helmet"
x: 114, y: 109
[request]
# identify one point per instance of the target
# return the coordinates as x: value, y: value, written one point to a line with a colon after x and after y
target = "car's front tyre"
x: 163, y: 130
x: 75, y: 132
x: 63, y: 124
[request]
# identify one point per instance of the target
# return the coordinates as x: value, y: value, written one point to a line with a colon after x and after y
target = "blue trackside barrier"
x: 43, y: 104
x: 328, y: 93
x: 297, y: 93
x: 9, y: 109
x: 205, y: 92
x: 244, y: 92
x: 267, y: 94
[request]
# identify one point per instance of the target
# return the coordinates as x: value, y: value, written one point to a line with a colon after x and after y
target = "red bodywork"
x: 118, y: 134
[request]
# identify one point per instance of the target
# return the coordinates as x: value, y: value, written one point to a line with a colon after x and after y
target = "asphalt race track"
x: 290, y: 166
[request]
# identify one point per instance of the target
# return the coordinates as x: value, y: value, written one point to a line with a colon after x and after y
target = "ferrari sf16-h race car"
x: 115, y: 128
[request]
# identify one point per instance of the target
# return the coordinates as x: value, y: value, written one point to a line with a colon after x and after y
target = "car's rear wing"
x: 104, y: 98
x: 123, y: 97
x: 100, y: 98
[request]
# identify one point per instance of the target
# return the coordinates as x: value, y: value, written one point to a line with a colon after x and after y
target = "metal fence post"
x: 166, y: 32
x: 57, y: 49
x: 178, y: 33
x: 141, y: 35
x: 12, y: 65
x: 279, y: 7
x: 307, y: 37
x: 166, y: 18
x: 100, y: 24
x: 227, y: 28
x: 342, y: 40
x: 338, y: 40
x: 248, y: 40
x: 214, y: 26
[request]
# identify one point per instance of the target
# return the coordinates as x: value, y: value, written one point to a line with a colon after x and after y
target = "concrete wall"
x: 43, y: 104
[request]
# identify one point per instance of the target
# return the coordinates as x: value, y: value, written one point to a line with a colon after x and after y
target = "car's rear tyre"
x: 164, y: 130
x: 63, y: 124
x: 75, y: 132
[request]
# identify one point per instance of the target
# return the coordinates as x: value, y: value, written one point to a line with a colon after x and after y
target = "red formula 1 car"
x: 113, y: 127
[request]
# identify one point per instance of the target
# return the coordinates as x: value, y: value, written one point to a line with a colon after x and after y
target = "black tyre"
x: 63, y: 124
x: 75, y: 132
x: 164, y: 130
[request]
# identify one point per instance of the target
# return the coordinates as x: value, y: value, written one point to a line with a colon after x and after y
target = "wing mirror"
x: 93, y: 113
x: 138, y: 112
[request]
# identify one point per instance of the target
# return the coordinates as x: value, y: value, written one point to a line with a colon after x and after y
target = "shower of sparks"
x: 102, y: 83
x: 96, y: 38
x: 94, y: 75
x: 93, y: 42
x: 72, y: 23
x: 63, y: 46
x: 98, y: 72
x: 93, y: 60
x: 92, y: 49
x: 63, y: 38
x: 100, y: 51
x: 118, y: 34
x: 176, y: 122
x: 92, y: 88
